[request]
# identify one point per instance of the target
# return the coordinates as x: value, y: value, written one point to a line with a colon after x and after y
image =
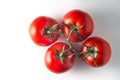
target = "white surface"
x: 21, y: 59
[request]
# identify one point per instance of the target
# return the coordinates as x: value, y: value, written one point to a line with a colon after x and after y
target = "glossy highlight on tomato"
x: 57, y: 59
x: 80, y: 21
x: 96, y: 51
x: 37, y: 31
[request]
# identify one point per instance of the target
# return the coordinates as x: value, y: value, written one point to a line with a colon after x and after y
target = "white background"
x: 21, y: 59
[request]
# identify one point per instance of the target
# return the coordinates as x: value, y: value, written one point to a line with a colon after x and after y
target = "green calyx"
x: 48, y: 31
x: 61, y: 54
x: 91, y: 52
x: 75, y: 29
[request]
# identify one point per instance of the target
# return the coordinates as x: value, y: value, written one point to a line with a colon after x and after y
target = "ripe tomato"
x: 80, y: 22
x: 96, y: 51
x: 57, y: 59
x: 41, y: 30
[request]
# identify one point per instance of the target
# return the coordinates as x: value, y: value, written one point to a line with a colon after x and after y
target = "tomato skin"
x: 102, y: 47
x: 36, y: 30
x: 55, y: 65
x: 80, y: 18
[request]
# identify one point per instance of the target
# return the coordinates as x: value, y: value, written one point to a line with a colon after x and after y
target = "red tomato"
x: 96, y: 51
x: 38, y: 33
x: 81, y: 22
x: 57, y: 60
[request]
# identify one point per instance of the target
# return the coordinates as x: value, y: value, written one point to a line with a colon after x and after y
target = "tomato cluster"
x: 76, y: 26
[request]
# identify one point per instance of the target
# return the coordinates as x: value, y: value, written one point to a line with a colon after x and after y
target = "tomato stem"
x: 69, y: 42
x: 49, y: 31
